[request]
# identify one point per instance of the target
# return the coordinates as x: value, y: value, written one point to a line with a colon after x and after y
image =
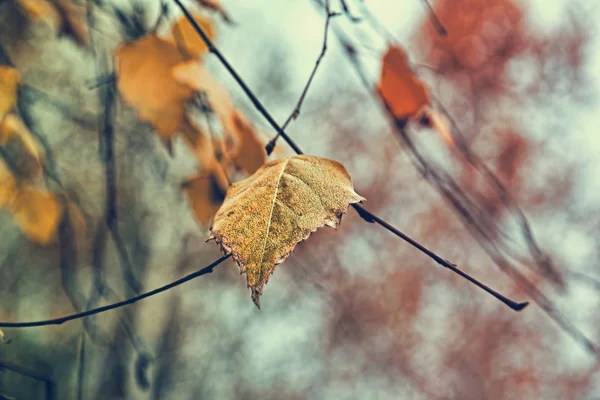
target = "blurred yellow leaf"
x: 9, y: 80
x: 241, y: 141
x: 250, y: 153
x: 37, y: 213
x: 145, y: 80
x: 20, y: 148
x: 8, y: 187
x: 184, y: 36
x: 265, y: 216
x: 206, y: 193
x: 402, y: 90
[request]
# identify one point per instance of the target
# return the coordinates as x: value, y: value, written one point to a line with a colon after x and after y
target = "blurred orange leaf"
x: 402, y: 90
x: 265, y: 216
x: 206, y: 193
x: 9, y: 80
x: 37, y: 212
x: 20, y: 148
x: 8, y: 188
x: 145, y: 80
x: 184, y: 36
x: 250, y: 153
x: 242, y: 143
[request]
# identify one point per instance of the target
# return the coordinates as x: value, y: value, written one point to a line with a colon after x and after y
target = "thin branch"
x: 237, y: 78
x: 106, y: 129
x: 368, y: 216
x: 296, y: 112
x: 58, y: 321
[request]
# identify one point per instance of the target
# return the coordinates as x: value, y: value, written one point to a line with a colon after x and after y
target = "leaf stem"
x: 296, y: 111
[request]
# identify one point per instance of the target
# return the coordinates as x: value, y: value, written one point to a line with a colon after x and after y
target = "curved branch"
x: 58, y: 321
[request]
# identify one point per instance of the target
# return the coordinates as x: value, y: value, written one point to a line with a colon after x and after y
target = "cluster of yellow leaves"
x: 36, y: 211
x: 63, y: 15
x: 403, y: 92
x: 265, y: 216
x: 161, y: 78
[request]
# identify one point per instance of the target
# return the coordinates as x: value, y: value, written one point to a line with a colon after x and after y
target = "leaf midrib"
x: 271, y: 214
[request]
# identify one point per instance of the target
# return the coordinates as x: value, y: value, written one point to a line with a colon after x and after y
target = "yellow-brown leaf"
x: 20, y: 148
x: 37, y: 213
x: 145, y: 80
x: 250, y: 153
x: 9, y: 80
x: 402, y: 90
x: 8, y: 186
x: 265, y: 216
x: 184, y: 36
x: 206, y: 193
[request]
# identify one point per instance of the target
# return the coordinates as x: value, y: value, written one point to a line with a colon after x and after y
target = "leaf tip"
x: 256, y: 292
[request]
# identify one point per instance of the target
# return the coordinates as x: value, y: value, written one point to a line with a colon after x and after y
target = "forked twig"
x: 296, y: 112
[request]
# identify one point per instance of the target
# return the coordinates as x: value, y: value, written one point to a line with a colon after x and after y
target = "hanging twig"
x: 296, y: 112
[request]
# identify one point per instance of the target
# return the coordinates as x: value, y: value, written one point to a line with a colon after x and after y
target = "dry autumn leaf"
x: 184, y: 36
x: 8, y: 186
x: 206, y: 193
x: 265, y: 216
x: 37, y: 212
x: 20, y: 150
x: 402, y: 90
x: 9, y: 80
x: 250, y: 153
x: 241, y: 141
x: 145, y: 80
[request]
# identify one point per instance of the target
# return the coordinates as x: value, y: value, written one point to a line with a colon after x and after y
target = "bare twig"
x: 296, y: 112
x: 58, y: 321
x: 368, y: 216
x: 259, y: 106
